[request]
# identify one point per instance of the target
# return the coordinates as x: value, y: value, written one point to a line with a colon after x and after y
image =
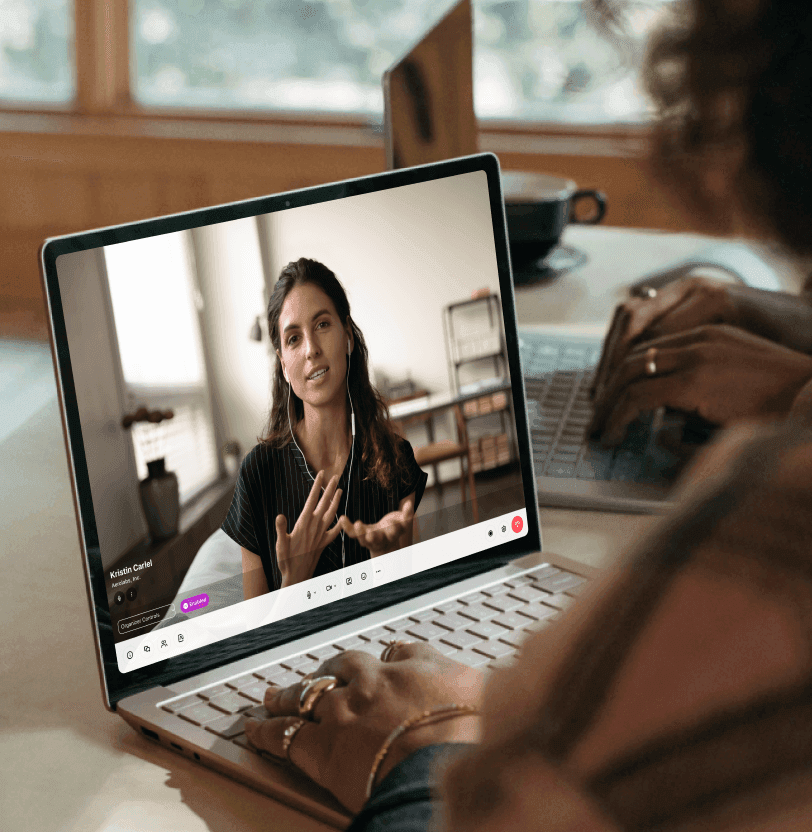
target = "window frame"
x: 104, y: 103
x: 159, y: 396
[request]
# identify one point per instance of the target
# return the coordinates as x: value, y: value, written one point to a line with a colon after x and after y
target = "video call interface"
x: 180, y: 408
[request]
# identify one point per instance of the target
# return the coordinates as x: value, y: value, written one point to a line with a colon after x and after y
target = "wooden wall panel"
x: 125, y: 197
x: 22, y: 306
x: 58, y: 183
x: 36, y: 196
x: 182, y: 193
x: 241, y: 185
x: 19, y: 273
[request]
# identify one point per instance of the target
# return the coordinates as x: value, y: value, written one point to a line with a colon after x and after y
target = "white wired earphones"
x: 352, y: 445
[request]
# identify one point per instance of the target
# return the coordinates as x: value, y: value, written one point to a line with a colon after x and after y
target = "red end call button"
x: 517, y: 524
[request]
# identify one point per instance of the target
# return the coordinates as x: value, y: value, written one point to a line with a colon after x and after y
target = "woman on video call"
x: 330, y: 484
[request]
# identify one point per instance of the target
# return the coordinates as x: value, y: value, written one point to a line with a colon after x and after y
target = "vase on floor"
x: 160, y: 499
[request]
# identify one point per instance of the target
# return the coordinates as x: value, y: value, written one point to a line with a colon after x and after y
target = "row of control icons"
x: 156, y: 647
x: 364, y: 577
x: 129, y: 595
x: 517, y: 524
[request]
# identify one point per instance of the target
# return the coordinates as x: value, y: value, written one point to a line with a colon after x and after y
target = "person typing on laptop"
x: 676, y: 688
x: 672, y: 697
x: 328, y: 427
x: 676, y: 693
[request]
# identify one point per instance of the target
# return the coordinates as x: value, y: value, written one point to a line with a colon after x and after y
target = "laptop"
x: 428, y: 95
x: 428, y: 117
x: 158, y: 316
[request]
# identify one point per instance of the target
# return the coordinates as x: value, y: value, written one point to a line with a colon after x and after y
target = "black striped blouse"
x: 275, y: 481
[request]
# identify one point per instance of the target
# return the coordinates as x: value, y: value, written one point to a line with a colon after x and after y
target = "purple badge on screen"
x: 196, y: 602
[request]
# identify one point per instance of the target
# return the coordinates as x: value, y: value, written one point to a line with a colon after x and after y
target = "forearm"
x: 253, y: 585
x: 406, y: 537
x: 779, y: 316
x: 254, y: 582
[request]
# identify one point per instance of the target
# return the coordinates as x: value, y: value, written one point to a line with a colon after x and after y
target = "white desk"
x: 67, y: 764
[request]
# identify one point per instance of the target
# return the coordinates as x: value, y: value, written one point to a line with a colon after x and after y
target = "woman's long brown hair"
x: 376, y: 438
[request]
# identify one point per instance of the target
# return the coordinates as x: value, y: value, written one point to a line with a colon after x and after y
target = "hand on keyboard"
x: 677, y: 307
x: 720, y: 373
x: 350, y: 722
x: 687, y: 304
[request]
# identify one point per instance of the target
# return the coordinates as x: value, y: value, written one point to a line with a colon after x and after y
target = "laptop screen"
x: 287, y: 412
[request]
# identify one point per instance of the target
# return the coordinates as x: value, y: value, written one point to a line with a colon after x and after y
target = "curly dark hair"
x: 732, y: 82
x: 380, y: 448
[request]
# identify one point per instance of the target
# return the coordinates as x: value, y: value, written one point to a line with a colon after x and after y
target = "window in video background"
x: 155, y: 308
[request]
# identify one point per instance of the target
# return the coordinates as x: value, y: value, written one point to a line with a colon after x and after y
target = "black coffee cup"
x: 538, y: 209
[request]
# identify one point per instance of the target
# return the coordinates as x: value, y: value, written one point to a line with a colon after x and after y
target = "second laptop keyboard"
x: 558, y: 375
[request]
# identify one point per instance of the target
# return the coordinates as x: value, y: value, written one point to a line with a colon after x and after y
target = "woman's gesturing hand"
x: 298, y: 553
x: 348, y: 725
x: 384, y: 536
x: 721, y: 373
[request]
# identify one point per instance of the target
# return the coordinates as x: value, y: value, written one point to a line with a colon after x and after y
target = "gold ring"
x: 390, y: 648
x: 651, y: 361
x: 312, y: 692
x: 287, y: 738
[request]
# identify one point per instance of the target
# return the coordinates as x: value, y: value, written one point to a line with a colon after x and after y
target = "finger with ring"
x: 312, y: 692
x: 391, y: 648
x: 287, y: 737
x: 285, y: 701
x: 651, y: 361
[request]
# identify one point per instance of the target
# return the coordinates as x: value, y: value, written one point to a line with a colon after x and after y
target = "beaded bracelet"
x: 439, y: 714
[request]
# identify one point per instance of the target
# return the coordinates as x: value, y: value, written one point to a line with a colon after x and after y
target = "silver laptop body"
x: 182, y: 657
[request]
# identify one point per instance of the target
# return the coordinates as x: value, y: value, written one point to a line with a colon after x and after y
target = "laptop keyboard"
x: 558, y: 377
x: 481, y: 629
